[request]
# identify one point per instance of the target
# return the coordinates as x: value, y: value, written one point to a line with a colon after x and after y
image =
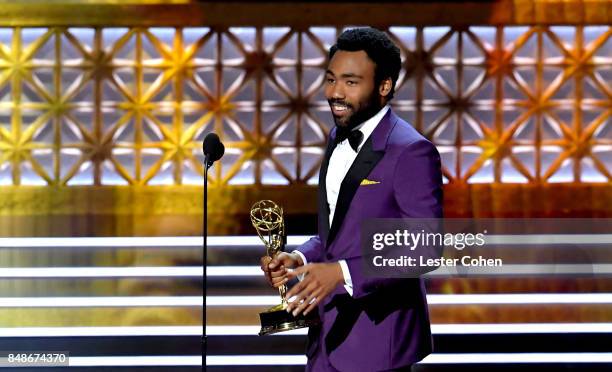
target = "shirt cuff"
x: 301, y: 276
x: 348, y: 282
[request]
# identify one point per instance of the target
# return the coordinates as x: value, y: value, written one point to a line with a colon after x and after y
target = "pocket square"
x: 366, y: 181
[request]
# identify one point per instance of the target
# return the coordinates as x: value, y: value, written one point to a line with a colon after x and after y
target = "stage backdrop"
x: 103, y: 108
x: 104, y: 105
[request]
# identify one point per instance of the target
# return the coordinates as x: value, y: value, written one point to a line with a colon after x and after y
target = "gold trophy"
x: 267, y: 218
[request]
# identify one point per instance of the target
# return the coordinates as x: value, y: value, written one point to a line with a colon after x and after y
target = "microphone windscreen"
x: 213, y: 147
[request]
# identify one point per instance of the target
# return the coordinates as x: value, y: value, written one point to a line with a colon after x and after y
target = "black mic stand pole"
x: 207, y: 165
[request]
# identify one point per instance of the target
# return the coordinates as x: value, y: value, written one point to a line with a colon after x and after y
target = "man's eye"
x: 351, y: 83
x: 330, y: 81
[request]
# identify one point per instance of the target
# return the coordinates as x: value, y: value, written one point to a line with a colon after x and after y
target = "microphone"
x: 213, y: 149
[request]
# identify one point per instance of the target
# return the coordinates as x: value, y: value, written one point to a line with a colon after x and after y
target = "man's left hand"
x: 320, y: 280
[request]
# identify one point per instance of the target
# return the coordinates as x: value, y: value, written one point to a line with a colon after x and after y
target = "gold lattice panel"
x: 83, y: 106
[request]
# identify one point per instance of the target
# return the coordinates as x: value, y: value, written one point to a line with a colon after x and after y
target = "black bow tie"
x: 354, y: 136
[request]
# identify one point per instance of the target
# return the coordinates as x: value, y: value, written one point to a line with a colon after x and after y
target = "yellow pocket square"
x: 366, y: 181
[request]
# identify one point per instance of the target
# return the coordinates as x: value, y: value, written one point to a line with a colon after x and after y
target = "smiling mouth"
x: 339, y: 109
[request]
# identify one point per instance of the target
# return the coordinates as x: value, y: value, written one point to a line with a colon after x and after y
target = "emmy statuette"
x: 267, y: 218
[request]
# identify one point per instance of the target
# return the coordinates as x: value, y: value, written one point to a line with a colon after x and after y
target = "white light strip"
x: 475, y: 358
x: 165, y: 301
x: 531, y: 269
x: 255, y: 271
x: 521, y: 328
x: 142, y: 242
x: 242, y: 300
x: 230, y: 271
x: 458, y: 299
x: 529, y: 239
x: 135, y: 361
x: 106, y: 242
x: 241, y: 241
x: 142, y: 301
x: 254, y: 241
x: 527, y: 269
x: 468, y: 358
x: 100, y: 331
x: 101, y: 272
x: 522, y: 298
x: 255, y: 360
x: 247, y: 330
x: 440, y: 329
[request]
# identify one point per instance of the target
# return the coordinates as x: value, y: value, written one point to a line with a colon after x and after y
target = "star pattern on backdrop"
x: 98, y: 106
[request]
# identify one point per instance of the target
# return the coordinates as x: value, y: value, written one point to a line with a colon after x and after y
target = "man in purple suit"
x: 376, y: 166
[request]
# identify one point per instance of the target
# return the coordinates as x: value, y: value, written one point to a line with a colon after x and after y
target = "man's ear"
x: 385, y: 87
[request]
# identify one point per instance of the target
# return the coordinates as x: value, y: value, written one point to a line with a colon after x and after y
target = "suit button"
x: 328, y: 256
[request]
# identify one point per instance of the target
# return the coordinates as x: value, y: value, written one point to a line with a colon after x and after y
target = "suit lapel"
x: 369, y: 155
x: 365, y: 161
x: 323, y: 205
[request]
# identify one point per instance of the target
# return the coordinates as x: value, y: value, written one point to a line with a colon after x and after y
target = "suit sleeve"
x: 417, y: 182
x: 417, y: 189
x: 312, y: 249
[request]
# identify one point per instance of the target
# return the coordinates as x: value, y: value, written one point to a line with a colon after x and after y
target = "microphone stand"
x: 207, y: 164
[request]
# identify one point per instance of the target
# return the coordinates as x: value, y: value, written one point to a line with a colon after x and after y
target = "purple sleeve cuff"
x: 311, y: 250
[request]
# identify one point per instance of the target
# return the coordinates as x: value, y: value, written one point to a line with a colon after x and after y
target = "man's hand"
x: 320, y: 281
x: 275, y: 269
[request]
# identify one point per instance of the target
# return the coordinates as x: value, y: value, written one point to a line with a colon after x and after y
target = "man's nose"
x: 336, y: 91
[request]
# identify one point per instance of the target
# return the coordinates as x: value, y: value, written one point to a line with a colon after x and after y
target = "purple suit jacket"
x: 385, y: 324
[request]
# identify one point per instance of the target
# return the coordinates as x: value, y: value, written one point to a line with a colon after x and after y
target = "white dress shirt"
x: 340, y: 162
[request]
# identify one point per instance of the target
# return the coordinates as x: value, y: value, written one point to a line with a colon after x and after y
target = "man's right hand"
x: 275, y: 269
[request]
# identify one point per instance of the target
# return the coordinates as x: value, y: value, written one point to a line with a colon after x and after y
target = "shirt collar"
x: 368, y: 126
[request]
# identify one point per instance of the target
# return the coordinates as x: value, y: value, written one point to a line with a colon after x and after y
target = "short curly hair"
x: 377, y: 45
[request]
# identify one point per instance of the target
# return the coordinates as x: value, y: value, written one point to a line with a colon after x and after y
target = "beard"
x: 365, y: 110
